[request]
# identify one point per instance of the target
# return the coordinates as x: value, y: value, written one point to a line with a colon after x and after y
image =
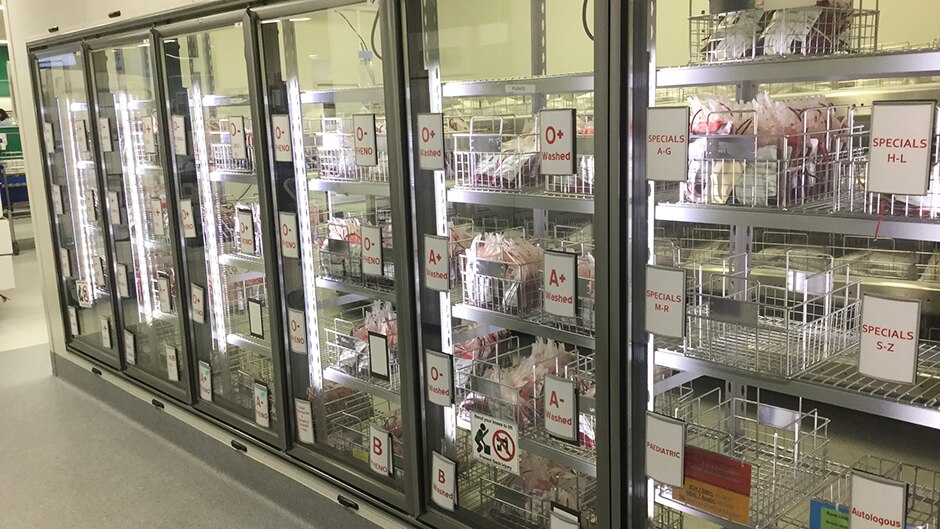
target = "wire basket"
x: 333, y: 156
x: 508, y: 287
x: 221, y: 157
x: 234, y: 374
x: 496, y: 154
x: 339, y: 247
x: 348, y: 348
x: 350, y: 414
x: 573, y: 239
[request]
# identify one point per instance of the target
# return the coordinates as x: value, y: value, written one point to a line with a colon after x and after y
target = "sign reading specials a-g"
x: 431, y: 142
x: 667, y: 144
x: 558, y: 132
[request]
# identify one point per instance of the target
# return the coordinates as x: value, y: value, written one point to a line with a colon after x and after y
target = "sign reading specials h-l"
x: 667, y: 144
x: 364, y: 140
x: 557, y: 134
x: 902, y: 137
x: 888, y: 347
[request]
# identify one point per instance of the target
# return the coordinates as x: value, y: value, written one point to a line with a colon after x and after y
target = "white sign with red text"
x: 364, y: 140
x: 665, y: 301
x: 123, y: 286
x: 439, y: 378
x: 561, y: 408
x: 104, y: 133
x: 130, y: 348
x: 246, y: 231
x: 262, y: 405
x: 179, y: 135
x: 290, y: 247
x: 665, y: 449
x: 303, y: 412
x: 371, y: 251
x: 877, y: 502
x: 105, y: 324
x: 205, y: 381
x: 164, y: 294
x: 150, y: 139
x: 890, y: 338
x: 559, y: 283
x: 156, y: 214
x: 437, y: 263
x: 49, y: 137
x: 443, y: 482
x: 902, y: 136
x: 280, y: 127
x: 557, y: 142
x: 297, y: 325
x: 667, y: 144
x: 83, y: 291
x: 379, y: 361
x: 236, y: 128
x: 81, y: 135
x: 188, y: 218
x: 172, y: 364
x: 431, y: 142
x: 380, y: 452
x: 198, y: 302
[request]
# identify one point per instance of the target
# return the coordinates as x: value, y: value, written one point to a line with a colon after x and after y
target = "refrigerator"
x: 81, y: 226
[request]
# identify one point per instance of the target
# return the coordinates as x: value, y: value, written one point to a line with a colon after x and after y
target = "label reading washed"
x: 104, y: 133
x: 164, y: 294
x: 74, y: 326
x: 431, y: 142
x: 150, y: 143
x: 262, y: 405
x: 563, y: 518
x: 58, y: 204
x: 890, y: 337
x: 557, y: 142
x: 198, y: 302
x: 437, y: 263
x: 105, y: 324
x: 665, y: 301
x: 289, y: 244
x: 439, y: 378
x: 123, y: 286
x: 364, y: 140
x: 495, y: 442
x: 236, y: 128
x: 280, y: 127
x: 378, y: 356
x: 561, y: 408
x: 297, y: 325
x: 372, y: 251
x: 83, y: 291
x: 380, y: 451
x: 255, y: 321
x: 877, y: 503
x: 156, y: 215
x: 443, y: 481
x: 716, y: 484
x: 172, y: 363
x: 303, y: 412
x: 246, y: 232
x: 179, y: 135
x: 559, y: 283
x: 901, y: 140
x: 48, y: 137
x: 81, y: 135
x: 65, y: 261
x: 205, y: 381
x: 130, y: 347
x: 665, y: 449
x: 667, y: 144
x: 187, y: 218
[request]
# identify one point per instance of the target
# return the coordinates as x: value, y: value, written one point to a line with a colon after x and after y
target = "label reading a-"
x: 205, y: 381
x: 561, y: 408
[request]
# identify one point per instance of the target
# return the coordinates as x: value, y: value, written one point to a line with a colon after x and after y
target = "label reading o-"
x: 290, y: 247
x: 439, y: 378
x: 364, y: 140
x: 236, y: 130
x: 297, y: 328
x: 372, y: 264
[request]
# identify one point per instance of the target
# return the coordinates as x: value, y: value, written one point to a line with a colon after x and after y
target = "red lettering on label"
x: 376, y: 446
x: 886, y: 332
x: 661, y: 450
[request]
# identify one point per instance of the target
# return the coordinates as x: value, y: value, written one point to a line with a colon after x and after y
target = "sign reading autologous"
x: 378, y: 356
x: 380, y: 451
x: 890, y: 338
x: 431, y: 142
x: 443, y: 482
x: 716, y: 484
x: 902, y: 136
x: 557, y: 142
x: 495, y: 442
x: 280, y: 127
x: 188, y: 218
x: 437, y: 263
x: 205, y: 381
x: 559, y: 283
x: 179, y: 136
x: 561, y: 408
x: 304, y: 418
x: 364, y: 141
x: 665, y: 449
x: 439, y: 378
x: 262, y: 405
x: 197, y: 300
x: 236, y: 130
x: 297, y: 327
x: 667, y: 144
x: 665, y: 301
x: 877, y: 503
x: 372, y: 264
x: 289, y: 245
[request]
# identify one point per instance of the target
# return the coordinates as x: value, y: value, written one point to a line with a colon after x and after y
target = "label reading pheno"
x: 188, y: 218
x: 236, y: 129
x: 197, y: 302
x: 290, y: 247
x: 205, y: 381
x: 364, y: 140
x: 262, y: 405
x: 380, y: 451
x: 372, y: 264
x: 280, y: 127
x: 172, y: 363
x: 246, y: 231
x: 179, y: 135
x: 297, y: 327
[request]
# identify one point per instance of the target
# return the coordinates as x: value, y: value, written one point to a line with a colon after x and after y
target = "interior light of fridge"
x: 85, y: 267
x: 77, y: 106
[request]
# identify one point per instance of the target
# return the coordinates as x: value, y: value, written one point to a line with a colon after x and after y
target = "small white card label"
x: 902, y: 137
x: 236, y: 127
x: 246, y: 232
x: 65, y: 260
x: 179, y: 135
x: 561, y: 408
x: 378, y: 356
x: 364, y: 140
x: 665, y: 301
x: 304, y: 415
x: 665, y: 449
x: 770, y: 5
x: 297, y: 325
x: 890, y: 338
x: 262, y: 406
x: 58, y: 204
x: 380, y: 452
x: 156, y: 215
x: 255, y: 321
x: 437, y: 263
x: 130, y: 347
x: 123, y: 285
x: 104, y: 134
x: 443, y: 482
x: 280, y: 127
x: 205, y: 381
x: 163, y: 294
x: 371, y: 251
x: 495, y: 442
x: 74, y: 325
x: 90, y: 210
x: 564, y: 519
x: 48, y: 137
x: 559, y: 283
x: 114, y: 206
x: 431, y: 142
x: 99, y: 271
x: 289, y: 244
x: 197, y: 302
x: 81, y: 135
x: 83, y: 291
x: 877, y: 503
x: 150, y: 139
x: 187, y: 218
x: 105, y: 331
x: 439, y: 378
x: 667, y: 144
x: 172, y: 363
x: 558, y: 133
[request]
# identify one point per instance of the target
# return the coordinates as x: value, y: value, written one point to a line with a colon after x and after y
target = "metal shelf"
x: 526, y: 326
x: 568, y: 457
x: 247, y: 262
x: 377, y: 189
x: 226, y: 101
x: 236, y: 177
x: 343, y: 95
x: 250, y: 343
x: 334, y: 375
x: 560, y: 84
x: 537, y: 200
x: 370, y: 293
x: 692, y: 511
x: 833, y: 68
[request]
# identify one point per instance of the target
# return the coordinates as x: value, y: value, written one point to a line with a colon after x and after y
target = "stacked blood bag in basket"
x: 340, y: 246
x: 500, y: 272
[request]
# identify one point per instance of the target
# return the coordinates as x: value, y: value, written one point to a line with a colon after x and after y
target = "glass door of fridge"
x: 227, y: 249
x: 141, y: 205
x: 78, y: 199
x: 333, y: 193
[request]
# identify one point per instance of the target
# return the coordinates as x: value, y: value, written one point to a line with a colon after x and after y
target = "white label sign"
x: 123, y: 285
x: 889, y: 341
x: 439, y: 378
x: 236, y: 127
x: 83, y: 291
x: 561, y: 408
x: 770, y: 5
x: 564, y: 519
x: 372, y: 251
x: 443, y: 482
x: 105, y: 331
x: 431, y: 142
x: 378, y: 356
x: 246, y: 232
x: 104, y: 134
x: 81, y: 135
x: 114, y: 205
x: 380, y: 451
x: 205, y: 381
x: 58, y: 205
x: 437, y: 263
x: 49, y: 137
x: 303, y: 412
x: 298, y: 331
x: 364, y: 140
x: 197, y: 302
x: 665, y: 449
x: 280, y: 127
x: 665, y: 301
x: 172, y: 364
x: 163, y: 294
x: 179, y: 135
x: 156, y: 214
x: 65, y: 260
x: 557, y: 142
x: 255, y: 321
x: 262, y: 406
x: 187, y: 218
x: 90, y: 210
x: 559, y: 283
x: 99, y: 271
x: 877, y: 503
x: 902, y: 135
x: 74, y: 326
x: 130, y: 347
x: 495, y: 442
x: 150, y: 143
x: 289, y: 244
x: 667, y: 144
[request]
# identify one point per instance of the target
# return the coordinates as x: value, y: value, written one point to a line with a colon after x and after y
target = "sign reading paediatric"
x: 179, y: 135
x: 431, y: 142
x: 889, y: 341
x: 150, y: 140
x: 205, y: 381
x: 289, y: 245
x: 378, y: 356
x: 198, y: 302
x: 561, y: 408
x: 262, y: 405
x: 130, y: 347
x: 439, y: 377
x: 665, y: 301
x: 83, y: 291
x: 443, y: 482
x: 437, y: 263
x: 297, y: 326
x: 495, y: 442
x: 236, y: 128
x: 665, y: 449
x: 104, y: 132
x: 246, y: 231
x: 49, y: 137
x: 559, y: 283
x: 380, y: 452
x: 304, y: 416
x: 172, y: 364
x: 877, y: 503
x: 364, y: 140
x: 902, y: 135
x: 667, y: 144
x: 371, y: 250
x: 280, y: 127
x: 557, y: 142
x: 188, y: 218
